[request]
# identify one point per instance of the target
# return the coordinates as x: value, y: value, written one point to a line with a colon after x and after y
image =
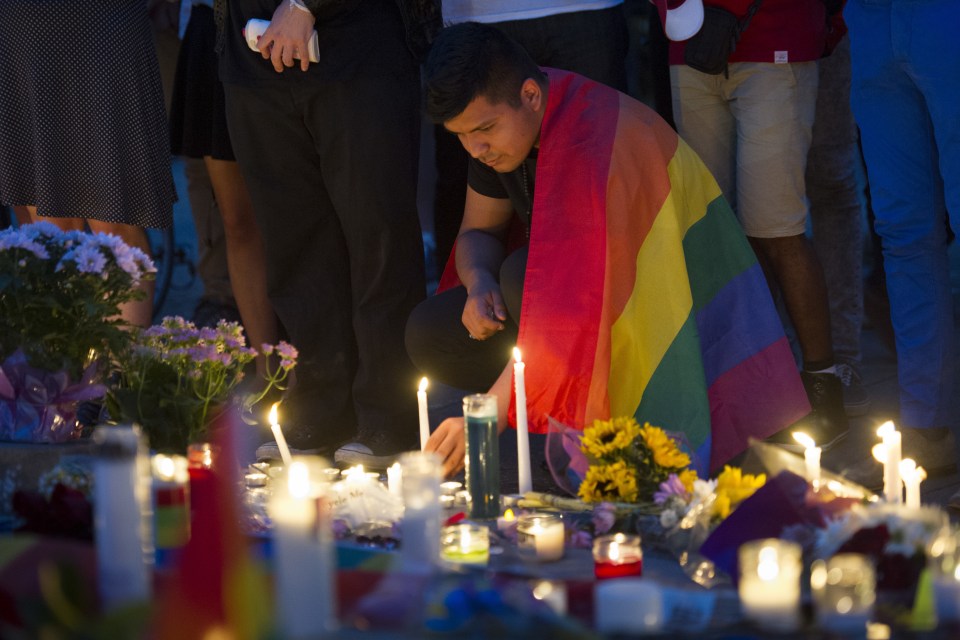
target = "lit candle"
x: 553, y: 593
x: 844, y: 593
x: 507, y: 523
x: 811, y: 457
x: 617, y: 556
x: 424, y: 414
x: 523, y: 439
x: 304, y: 551
x: 420, y: 526
x: 395, y: 479
x: 892, y: 491
x: 278, y: 435
x: 540, y: 537
x: 770, y: 582
x: 912, y: 477
x: 171, y: 507
x: 450, y: 488
x: 465, y: 544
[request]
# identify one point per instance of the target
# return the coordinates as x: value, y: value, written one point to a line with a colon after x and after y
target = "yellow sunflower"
x: 733, y: 487
x: 664, y: 448
x: 686, y: 477
x: 605, y: 437
x: 609, y: 482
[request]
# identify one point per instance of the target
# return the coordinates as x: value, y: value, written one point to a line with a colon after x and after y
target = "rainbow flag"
x: 642, y: 296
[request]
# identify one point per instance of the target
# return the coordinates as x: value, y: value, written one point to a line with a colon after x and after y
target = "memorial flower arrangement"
x: 628, y: 462
x: 896, y: 539
x: 176, y: 378
x: 684, y: 494
x: 60, y: 296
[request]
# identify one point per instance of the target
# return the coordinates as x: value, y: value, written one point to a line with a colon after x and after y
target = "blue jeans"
x: 906, y: 99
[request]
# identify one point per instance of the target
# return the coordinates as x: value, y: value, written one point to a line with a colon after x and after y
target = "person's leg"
x: 907, y: 198
x: 246, y: 258
x: 774, y: 107
x: 138, y: 312
x: 211, y: 244
x: 704, y: 121
x: 592, y: 43
x: 441, y: 348
x: 306, y: 261
x: 837, y: 220
x: 369, y: 164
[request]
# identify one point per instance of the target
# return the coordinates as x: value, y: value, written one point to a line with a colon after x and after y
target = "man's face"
x: 500, y: 135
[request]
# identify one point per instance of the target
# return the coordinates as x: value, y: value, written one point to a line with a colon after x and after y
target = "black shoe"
x: 827, y: 424
x: 856, y: 400
x: 828, y: 420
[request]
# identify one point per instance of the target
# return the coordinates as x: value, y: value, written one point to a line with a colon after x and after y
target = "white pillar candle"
x: 540, y: 537
x: 523, y: 439
x: 395, y: 479
x: 811, y: 458
x: 278, y: 436
x: 770, y: 583
x: 912, y: 476
x: 304, y: 551
x: 121, y: 516
x: 424, y: 414
x: 420, y: 551
x: 892, y: 491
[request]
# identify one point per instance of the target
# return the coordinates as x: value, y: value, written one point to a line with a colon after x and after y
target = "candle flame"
x: 273, y: 414
x: 423, y: 384
x: 768, y: 566
x: 804, y: 439
x: 164, y: 466
x: 907, y: 467
x: 879, y: 452
x: 921, y: 473
x: 886, y: 428
x: 508, y: 515
x: 516, y: 354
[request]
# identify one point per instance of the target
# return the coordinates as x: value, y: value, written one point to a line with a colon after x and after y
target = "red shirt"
x: 780, y: 31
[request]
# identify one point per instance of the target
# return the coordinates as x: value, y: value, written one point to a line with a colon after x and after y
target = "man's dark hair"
x: 469, y: 60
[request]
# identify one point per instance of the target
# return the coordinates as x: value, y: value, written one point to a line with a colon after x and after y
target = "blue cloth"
x: 906, y: 100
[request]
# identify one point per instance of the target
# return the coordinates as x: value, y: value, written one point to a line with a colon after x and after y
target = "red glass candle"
x: 617, y: 556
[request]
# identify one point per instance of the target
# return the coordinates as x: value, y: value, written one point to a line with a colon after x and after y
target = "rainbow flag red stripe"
x: 642, y: 296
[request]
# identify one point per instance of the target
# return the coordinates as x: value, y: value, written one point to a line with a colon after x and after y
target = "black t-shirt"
x: 517, y: 185
x: 366, y: 39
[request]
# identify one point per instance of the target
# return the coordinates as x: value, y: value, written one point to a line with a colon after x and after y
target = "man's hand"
x: 484, y: 312
x: 288, y: 34
x: 448, y: 441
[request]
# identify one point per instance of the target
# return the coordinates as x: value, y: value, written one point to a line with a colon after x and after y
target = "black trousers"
x: 441, y: 347
x: 332, y: 172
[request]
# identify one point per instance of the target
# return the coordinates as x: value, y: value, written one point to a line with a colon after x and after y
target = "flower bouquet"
x: 647, y: 475
x: 60, y: 297
x: 176, y: 378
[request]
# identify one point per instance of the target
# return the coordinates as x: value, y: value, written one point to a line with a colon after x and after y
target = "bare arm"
x: 481, y: 250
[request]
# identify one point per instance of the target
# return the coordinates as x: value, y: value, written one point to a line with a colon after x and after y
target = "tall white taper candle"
x: 523, y: 438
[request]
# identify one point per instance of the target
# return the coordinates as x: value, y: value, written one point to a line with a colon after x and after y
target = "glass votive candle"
x: 461, y: 500
x: 465, y: 544
x: 450, y: 487
x: 446, y: 502
x: 844, y: 591
x: 770, y: 583
x: 617, y: 556
x: 540, y: 537
x: 943, y: 560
